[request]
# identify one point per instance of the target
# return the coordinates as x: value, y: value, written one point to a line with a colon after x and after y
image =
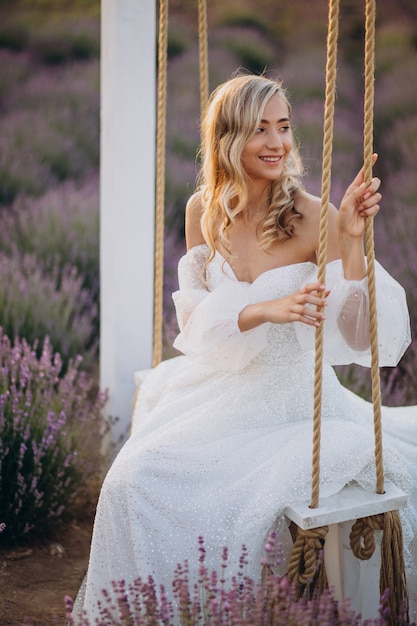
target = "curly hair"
x: 234, y: 112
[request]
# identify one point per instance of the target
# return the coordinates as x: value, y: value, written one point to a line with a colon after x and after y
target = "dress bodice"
x: 210, y: 299
x: 282, y: 343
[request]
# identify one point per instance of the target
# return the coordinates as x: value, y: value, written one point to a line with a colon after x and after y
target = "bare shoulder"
x: 309, y: 228
x: 193, y: 211
x: 307, y: 204
x: 310, y: 207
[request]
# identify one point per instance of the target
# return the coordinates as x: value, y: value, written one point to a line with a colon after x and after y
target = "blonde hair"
x: 234, y: 112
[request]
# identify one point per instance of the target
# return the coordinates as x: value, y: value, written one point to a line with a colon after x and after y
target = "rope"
x: 160, y: 181
x: 361, y: 537
x: 160, y: 155
x: 369, y: 238
x: 306, y: 567
x: 331, y: 70
x: 203, y: 55
x: 392, y: 573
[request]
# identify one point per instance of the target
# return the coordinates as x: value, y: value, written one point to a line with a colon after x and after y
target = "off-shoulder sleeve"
x: 348, y: 300
x: 208, y: 320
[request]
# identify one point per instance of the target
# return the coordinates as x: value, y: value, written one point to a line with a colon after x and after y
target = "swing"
x: 353, y: 510
x: 323, y: 520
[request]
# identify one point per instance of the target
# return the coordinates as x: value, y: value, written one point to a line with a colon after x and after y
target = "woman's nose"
x: 274, y: 139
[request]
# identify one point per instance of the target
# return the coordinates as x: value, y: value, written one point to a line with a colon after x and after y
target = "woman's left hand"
x: 359, y: 202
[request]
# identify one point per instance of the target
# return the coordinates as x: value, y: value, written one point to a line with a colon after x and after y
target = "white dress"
x: 222, y: 437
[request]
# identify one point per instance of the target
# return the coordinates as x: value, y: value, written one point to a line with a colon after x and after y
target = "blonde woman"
x: 223, y: 433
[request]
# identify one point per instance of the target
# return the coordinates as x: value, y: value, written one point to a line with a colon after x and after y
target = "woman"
x: 222, y: 435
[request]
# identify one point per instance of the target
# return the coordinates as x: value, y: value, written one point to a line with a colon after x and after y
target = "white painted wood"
x: 350, y: 578
x: 351, y: 502
x: 333, y: 561
x: 127, y: 182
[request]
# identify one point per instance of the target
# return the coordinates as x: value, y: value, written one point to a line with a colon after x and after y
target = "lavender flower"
x: 48, y: 450
x: 242, y: 602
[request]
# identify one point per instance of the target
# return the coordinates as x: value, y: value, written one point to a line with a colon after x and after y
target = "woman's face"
x: 264, y: 155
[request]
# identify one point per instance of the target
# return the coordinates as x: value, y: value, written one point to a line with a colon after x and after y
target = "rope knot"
x: 306, y: 560
x: 362, y: 538
x: 392, y: 574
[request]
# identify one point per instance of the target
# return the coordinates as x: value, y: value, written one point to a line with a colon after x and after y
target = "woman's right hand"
x: 304, y: 305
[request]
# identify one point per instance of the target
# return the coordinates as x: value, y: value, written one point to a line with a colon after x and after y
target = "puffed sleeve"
x: 208, y: 320
x: 347, y: 315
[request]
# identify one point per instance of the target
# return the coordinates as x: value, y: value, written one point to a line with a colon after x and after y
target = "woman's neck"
x: 258, y: 204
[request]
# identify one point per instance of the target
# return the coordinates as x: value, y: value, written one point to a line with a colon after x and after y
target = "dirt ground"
x: 35, y: 580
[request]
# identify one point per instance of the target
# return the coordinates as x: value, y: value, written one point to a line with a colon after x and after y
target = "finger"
x: 359, y: 178
x: 310, y: 320
x: 371, y: 212
x: 372, y: 188
x: 310, y: 287
x: 309, y: 304
x: 312, y: 313
x: 312, y: 300
x: 374, y: 200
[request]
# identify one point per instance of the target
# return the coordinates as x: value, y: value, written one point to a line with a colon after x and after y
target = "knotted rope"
x: 306, y: 565
x: 160, y: 182
x: 392, y: 572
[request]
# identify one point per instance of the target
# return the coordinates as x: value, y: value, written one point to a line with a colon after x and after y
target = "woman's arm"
x: 193, y: 210
x: 300, y: 306
x: 347, y: 228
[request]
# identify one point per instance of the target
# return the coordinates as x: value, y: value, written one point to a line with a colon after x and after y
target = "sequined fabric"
x: 219, y: 447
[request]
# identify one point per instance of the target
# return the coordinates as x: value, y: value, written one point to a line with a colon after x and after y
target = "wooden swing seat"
x: 350, y: 503
x: 339, y: 512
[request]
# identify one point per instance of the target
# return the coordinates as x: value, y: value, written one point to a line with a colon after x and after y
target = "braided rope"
x: 392, y: 573
x: 369, y: 238
x: 331, y: 70
x: 361, y: 536
x: 160, y: 181
x: 305, y: 564
x: 203, y: 55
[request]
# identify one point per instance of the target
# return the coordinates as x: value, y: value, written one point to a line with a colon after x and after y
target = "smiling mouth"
x: 270, y: 159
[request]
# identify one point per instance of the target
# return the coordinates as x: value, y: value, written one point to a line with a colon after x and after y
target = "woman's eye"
x: 285, y: 129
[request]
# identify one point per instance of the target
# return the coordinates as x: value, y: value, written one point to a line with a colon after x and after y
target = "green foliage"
x: 177, y: 43
x: 183, y: 147
x: 244, y: 18
x: 50, y: 41
x: 51, y: 9
x: 177, y: 197
x: 65, y: 41
x: 14, y: 35
x: 394, y: 43
x: 254, y: 55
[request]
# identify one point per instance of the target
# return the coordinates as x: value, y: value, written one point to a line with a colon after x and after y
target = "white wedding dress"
x: 222, y: 436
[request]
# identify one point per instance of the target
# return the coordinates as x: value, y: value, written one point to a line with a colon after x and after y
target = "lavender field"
x: 49, y: 152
